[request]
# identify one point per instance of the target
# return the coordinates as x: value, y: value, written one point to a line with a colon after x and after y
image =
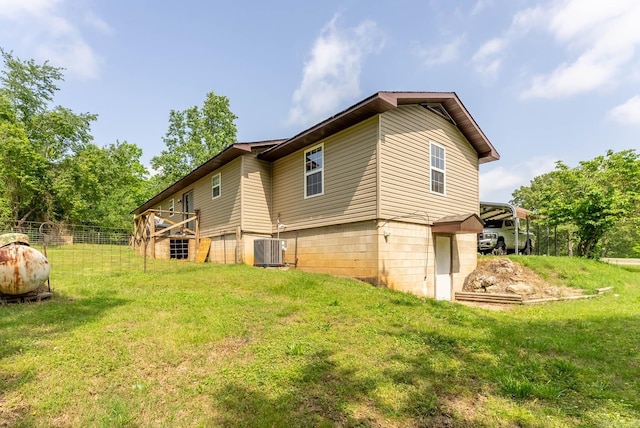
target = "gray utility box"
x: 269, y: 252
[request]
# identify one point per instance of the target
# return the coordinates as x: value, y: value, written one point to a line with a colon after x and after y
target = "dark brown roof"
x: 379, y: 103
x: 369, y: 107
x: 221, y: 159
x: 461, y: 223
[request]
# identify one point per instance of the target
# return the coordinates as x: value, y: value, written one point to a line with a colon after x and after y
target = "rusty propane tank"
x: 22, y: 268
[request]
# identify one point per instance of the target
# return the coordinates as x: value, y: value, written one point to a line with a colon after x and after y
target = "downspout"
x: 240, y: 229
x: 271, y: 196
x: 378, y: 200
x: 224, y: 246
x: 295, y: 265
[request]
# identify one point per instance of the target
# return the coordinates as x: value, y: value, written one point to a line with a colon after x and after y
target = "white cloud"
x: 480, y: 5
x: 627, y: 113
x: 498, y: 184
x: 44, y: 30
x: 486, y: 60
x: 527, y: 19
x: 601, y: 38
x: 572, y: 20
x: 332, y: 74
x: 16, y: 9
x: 490, y: 48
x: 437, y: 55
x: 94, y: 21
x: 498, y: 181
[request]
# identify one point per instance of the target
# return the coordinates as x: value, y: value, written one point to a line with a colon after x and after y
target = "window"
x: 314, y: 171
x: 216, y: 186
x: 437, y: 169
x: 171, y: 207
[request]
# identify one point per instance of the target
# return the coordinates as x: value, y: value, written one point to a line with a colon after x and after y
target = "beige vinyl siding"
x: 406, y: 133
x: 256, y: 195
x: 223, y: 213
x: 165, y: 208
x: 349, y: 181
x: 216, y: 215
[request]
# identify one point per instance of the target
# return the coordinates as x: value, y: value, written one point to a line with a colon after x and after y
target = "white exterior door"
x: 443, y: 267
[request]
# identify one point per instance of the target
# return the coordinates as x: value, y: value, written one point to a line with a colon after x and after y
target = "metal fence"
x: 81, y: 250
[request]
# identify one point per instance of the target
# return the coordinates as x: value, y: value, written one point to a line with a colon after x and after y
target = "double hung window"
x: 314, y: 171
x: 438, y: 168
x: 216, y: 186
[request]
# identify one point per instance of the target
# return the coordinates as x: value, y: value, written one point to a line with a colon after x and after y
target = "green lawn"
x: 208, y: 345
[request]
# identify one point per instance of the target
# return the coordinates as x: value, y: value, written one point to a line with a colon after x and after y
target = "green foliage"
x: 623, y: 240
x: 194, y: 136
x: 22, y: 166
x: 100, y: 186
x: 598, y: 198
x: 30, y: 87
x: 48, y: 163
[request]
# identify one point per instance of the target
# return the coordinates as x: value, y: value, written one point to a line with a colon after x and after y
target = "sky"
x: 546, y: 81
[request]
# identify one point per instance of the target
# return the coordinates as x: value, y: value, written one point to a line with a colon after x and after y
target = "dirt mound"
x: 501, y: 275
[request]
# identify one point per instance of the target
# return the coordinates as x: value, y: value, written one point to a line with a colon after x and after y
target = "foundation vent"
x: 179, y: 249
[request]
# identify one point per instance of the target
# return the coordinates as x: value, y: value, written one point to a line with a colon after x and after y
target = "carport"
x: 503, y: 211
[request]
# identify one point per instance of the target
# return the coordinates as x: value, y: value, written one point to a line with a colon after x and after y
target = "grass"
x: 211, y: 345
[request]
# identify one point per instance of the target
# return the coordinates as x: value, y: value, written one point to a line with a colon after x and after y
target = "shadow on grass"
x: 320, y: 395
x: 22, y: 325
x: 577, y: 371
x: 25, y: 328
x: 585, y: 368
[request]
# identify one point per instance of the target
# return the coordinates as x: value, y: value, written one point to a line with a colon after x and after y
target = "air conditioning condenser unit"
x: 269, y: 252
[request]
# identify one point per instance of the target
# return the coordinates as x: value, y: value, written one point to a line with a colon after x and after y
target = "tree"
x: 194, y: 136
x: 49, y: 167
x: 100, y: 186
x: 595, y: 197
x: 20, y: 165
x: 28, y: 86
x: 623, y: 240
x: 35, y: 137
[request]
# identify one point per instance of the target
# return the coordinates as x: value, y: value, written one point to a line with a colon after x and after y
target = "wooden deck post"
x: 152, y: 233
x: 197, y: 227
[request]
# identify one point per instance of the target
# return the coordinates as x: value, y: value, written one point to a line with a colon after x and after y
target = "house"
x: 385, y: 191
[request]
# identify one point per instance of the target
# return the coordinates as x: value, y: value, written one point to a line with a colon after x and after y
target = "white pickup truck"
x: 498, y: 237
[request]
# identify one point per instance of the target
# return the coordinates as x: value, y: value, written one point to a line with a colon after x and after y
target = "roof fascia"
x: 379, y: 103
x: 371, y: 106
x: 227, y: 155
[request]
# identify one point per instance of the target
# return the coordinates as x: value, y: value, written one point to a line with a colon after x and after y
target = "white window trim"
x: 433, y: 144
x: 219, y: 185
x: 172, y: 207
x: 320, y: 170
